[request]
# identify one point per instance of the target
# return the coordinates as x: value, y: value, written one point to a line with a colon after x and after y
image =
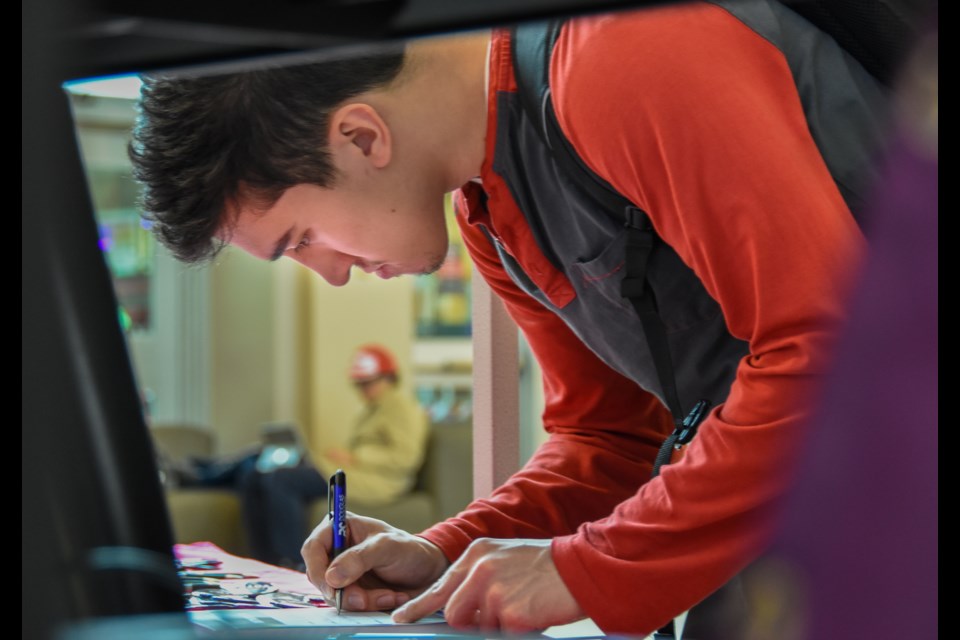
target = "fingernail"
x: 402, y: 598
x: 355, y: 602
x: 398, y: 615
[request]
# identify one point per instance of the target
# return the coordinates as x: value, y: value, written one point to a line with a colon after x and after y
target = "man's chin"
x: 433, y: 267
x: 387, y: 271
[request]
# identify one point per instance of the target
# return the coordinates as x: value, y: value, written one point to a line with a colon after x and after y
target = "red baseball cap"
x: 371, y: 361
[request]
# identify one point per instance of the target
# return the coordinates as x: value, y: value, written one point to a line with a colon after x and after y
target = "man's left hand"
x: 509, y: 585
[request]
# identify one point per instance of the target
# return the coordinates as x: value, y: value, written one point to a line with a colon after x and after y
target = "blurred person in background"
x: 381, y: 459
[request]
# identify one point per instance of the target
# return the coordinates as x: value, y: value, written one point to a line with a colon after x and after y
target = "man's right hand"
x: 383, y: 568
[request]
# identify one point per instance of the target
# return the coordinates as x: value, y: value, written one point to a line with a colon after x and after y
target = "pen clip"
x: 330, y: 498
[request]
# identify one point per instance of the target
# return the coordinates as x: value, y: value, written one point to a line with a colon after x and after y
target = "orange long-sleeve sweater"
x: 696, y: 119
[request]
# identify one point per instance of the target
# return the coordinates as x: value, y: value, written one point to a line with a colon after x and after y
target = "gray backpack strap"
x: 532, y: 46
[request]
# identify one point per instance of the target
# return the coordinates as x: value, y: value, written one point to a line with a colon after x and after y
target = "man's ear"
x: 357, y: 128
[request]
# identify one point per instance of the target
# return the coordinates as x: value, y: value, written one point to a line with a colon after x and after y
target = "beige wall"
x: 242, y: 321
x: 366, y: 310
x: 291, y: 343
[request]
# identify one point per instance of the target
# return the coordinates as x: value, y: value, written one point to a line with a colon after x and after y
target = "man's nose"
x: 330, y: 265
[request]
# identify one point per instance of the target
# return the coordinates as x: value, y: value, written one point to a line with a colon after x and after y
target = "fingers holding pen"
x: 317, y: 552
x: 382, y: 567
x: 354, y: 571
x: 328, y: 573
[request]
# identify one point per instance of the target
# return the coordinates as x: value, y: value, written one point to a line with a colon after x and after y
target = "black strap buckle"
x: 688, y: 428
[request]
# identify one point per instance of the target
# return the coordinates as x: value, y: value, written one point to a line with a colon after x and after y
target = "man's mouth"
x: 384, y: 272
x: 380, y: 269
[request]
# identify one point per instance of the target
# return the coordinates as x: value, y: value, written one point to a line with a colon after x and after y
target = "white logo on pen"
x: 342, y: 523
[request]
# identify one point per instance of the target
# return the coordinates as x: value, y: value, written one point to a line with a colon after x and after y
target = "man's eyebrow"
x: 281, y: 247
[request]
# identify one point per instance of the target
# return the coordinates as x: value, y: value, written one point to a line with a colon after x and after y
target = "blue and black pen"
x: 337, y: 507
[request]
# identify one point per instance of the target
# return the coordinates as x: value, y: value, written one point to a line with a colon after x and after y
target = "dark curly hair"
x: 200, y: 140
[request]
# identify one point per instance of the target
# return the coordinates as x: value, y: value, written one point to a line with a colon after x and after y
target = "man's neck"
x: 440, y: 103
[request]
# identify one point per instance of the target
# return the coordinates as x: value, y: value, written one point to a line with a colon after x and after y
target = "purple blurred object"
x: 861, y: 527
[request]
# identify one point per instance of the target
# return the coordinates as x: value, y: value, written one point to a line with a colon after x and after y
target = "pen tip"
x: 339, y: 599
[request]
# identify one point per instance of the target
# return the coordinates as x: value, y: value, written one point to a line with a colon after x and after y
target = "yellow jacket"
x: 387, y: 444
